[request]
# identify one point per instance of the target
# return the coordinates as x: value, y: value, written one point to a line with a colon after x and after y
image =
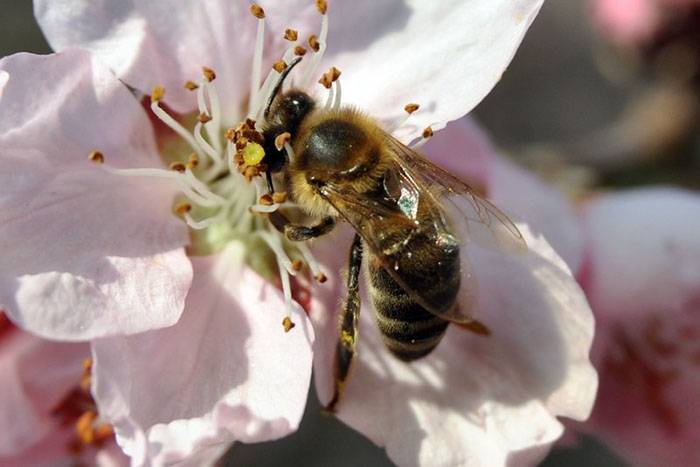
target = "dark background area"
x: 552, y: 91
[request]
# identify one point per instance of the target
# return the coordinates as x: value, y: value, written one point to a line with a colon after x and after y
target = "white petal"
x: 226, y: 371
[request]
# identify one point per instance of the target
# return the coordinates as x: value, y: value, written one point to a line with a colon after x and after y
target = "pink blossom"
x: 642, y: 276
x: 636, y: 22
x: 189, y: 352
x: 42, y: 400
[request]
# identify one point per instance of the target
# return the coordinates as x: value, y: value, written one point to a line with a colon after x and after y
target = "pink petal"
x: 445, y: 56
x: 464, y: 149
x: 226, y: 371
x: 149, y: 42
x: 36, y: 375
x: 474, y: 400
x: 643, y: 278
x: 85, y: 253
x: 628, y: 22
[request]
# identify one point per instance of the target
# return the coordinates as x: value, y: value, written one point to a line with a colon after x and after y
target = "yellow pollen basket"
x: 253, y: 154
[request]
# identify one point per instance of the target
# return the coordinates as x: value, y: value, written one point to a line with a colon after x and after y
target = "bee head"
x: 286, y: 115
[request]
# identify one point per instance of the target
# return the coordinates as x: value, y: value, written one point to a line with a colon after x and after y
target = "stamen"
x: 330, y: 98
x: 299, y: 51
x: 208, y: 73
x: 338, y: 94
x: 279, y: 66
x: 182, y: 208
x: 191, y: 85
x: 290, y: 151
x: 409, y: 108
x: 266, y: 200
x: 322, y: 6
x: 311, y: 261
x: 86, y: 377
x: 282, y: 139
x: 204, y: 223
x: 288, y: 324
x: 259, y: 13
x: 318, y: 45
x: 329, y: 77
x: 275, y: 244
x: 156, y: 95
x: 291, y: 35
x: 297, y: 264
x: 97, y: 157
x: 427, y: 133
x: 177, y: 167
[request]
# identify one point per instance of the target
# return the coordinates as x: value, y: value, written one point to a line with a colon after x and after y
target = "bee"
x: 341, y: 165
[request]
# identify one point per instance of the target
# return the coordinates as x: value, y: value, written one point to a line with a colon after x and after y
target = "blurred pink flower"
x: 641, y: 274
x: 189, y: 353
x: 636, y: 22
x: 42, y: 402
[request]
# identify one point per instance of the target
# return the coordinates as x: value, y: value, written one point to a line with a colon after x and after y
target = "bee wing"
x: 484, y: 223
x: 370, y: 215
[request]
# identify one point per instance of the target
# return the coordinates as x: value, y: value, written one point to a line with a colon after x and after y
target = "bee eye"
x: 315, y: 182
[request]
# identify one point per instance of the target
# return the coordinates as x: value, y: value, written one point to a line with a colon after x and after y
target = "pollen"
x: 427, y: 132
x: 257, y: 11
x: 291, y: 35
x: 288, y: 324
x: 97, y: 157
x: 279, y: 66
x: 253, y: 154
x: 208, y: 73
x: 281, y: 139
x: 177, y: 167
x: 330, y: 77
x: 299, y: 51
x: 279, y: 197
x: 322, y: 6
x: 191, y: 86
x: 313, y: 43
x: 183, y: 208
x: 410, y: 108
x: 157, y: 93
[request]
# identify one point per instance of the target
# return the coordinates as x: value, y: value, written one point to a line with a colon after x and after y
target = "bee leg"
x: 349, y: 320
x: 300, y: 233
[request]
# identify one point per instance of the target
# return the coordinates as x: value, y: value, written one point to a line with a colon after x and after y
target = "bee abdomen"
x: 413, y: 338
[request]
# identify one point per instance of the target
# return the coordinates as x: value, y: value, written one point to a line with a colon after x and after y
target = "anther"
x: 177, y: 167
x: 83, y: 427
x: 410, y: 108
x: 230, y: 134
x: 322, y: 6
x: 299, y: 51
x: 329, y: 77
x: 297, y: 264
x: 204, y: 117
x: 157, y: 93
x: 266, y: 200
x: 427, y: 132
x: 208, y: 73
x: 257, y: 11
x: 97, y: 157
x: 281, y: 139
x: 192, y: 161
x: 291, y: 35
x: 191, y: 86
x: 183, y: 208
x: 321, y: 278
x: 279, y: 66
x: 279, y: 197
x: 288, y: 324
x: 313, y: 43
x: 86, y: 376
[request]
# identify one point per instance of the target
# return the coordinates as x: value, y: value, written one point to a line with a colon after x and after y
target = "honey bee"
x: 341, y: 165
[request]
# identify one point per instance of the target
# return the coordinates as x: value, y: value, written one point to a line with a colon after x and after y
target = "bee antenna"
x: 278, y: 85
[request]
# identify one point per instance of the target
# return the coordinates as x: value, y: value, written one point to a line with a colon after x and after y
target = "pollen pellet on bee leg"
x: 97, y: 157
x: 288, y: 324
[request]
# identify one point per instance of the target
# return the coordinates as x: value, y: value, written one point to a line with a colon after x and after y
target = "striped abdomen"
x: 408, y: 329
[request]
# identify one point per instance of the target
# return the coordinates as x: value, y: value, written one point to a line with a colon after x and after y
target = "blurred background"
x: 580, y: 110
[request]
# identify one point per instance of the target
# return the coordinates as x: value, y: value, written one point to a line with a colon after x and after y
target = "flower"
x: 642, y: 278
x: 189, y: 351
x: 44, y: 395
